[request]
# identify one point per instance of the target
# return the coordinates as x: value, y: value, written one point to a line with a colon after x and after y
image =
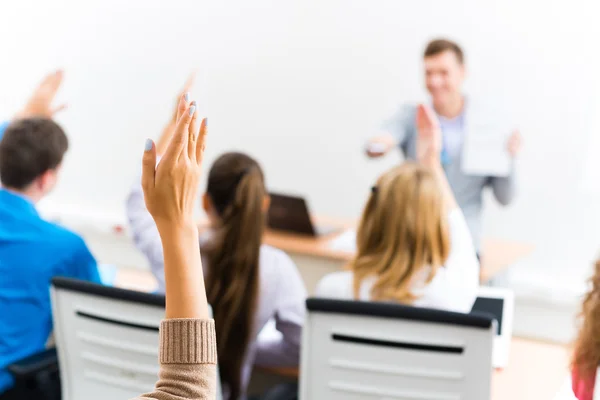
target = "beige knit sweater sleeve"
x: 188, y: 357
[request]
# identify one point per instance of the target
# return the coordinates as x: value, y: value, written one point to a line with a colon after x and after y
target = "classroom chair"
x: 369, y: 351
x: 106, y: 339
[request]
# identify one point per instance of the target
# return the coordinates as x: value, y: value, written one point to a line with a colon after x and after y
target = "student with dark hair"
x: 248, y: 283
x: 32, y: 250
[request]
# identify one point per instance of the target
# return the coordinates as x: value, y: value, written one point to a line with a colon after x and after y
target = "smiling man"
x: 444, y: 77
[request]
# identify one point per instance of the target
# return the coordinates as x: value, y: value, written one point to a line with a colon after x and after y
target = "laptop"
x: 290, y: 214
x: 500, y: 303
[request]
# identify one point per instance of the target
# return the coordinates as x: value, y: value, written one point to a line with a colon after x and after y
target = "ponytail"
x: 237, y: 191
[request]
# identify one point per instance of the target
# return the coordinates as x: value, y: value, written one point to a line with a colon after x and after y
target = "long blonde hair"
x: 403, y: 229
x: 586, y: 356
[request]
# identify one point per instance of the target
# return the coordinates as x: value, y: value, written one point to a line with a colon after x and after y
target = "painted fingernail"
x: 192, y: 110
x: 148, y: 145
x: 187, y: 96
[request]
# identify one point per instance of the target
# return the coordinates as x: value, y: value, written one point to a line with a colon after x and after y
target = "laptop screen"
x: 491, y: 305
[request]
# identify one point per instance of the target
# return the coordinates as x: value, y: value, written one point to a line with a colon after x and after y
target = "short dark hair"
x: 438, y: 46
x: 29, y: 148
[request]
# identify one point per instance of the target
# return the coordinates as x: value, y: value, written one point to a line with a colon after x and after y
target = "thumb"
x: 148, y: 165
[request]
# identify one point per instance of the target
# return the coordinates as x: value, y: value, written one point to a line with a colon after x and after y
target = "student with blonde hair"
x: 586, y: 357
x: 413, y: 244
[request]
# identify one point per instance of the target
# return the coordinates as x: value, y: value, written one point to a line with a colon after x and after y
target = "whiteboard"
x: 298, y: 84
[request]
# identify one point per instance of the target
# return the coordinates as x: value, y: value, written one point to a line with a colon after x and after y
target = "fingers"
x: 201, y: 141
x: 421, y: 119
x: 193, y: 132
x: 427, y: 116
x: 52, y: 82
x: 181, y: 107
x: 148, y: 165
x: 179, y: 141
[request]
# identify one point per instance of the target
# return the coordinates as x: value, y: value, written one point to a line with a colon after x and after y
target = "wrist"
x: 169, y: 228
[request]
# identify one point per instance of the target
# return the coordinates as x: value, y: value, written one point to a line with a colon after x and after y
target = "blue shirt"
x: 32, y: 252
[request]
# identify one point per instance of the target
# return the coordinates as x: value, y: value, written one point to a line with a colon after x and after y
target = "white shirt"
x: 453, y: 288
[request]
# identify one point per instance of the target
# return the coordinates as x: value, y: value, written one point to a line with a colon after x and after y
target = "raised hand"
x: 429, y: 141
x: 170, y: 189
x: 163, y: 141
x: 40, y: 102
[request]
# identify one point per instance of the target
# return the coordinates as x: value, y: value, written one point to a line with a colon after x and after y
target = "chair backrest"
x: 106, y: 339
x: 365, y: 350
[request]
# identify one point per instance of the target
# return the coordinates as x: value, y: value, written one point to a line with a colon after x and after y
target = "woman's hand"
x: 429, y: 141
x: 170, y: 191
x: 171, y: 188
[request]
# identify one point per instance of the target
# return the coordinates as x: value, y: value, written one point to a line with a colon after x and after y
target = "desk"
x: 315, y: 259
x: 536, y: 370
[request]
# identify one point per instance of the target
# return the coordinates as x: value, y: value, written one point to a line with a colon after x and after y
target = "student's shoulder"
x: 335, y: 285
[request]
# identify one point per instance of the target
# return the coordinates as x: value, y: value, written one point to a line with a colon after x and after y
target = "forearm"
x: 184, y: 281
x: 145, y: 234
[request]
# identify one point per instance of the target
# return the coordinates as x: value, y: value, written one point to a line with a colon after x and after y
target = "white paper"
x: 345, y: 241
x: 486, y: 150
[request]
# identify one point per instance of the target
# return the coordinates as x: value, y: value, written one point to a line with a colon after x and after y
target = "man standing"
x: 444, y: 77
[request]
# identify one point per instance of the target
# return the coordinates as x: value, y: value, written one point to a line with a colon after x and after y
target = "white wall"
x: 301, y: 84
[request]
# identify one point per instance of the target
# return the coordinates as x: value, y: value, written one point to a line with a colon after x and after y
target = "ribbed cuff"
x: 188, y: 341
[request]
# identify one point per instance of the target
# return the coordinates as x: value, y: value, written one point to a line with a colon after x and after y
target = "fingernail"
x: 193, y: 103
x: 192, y: 110
x: 148, y: 145
x: 187, y: 96
x: 205, y: 122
